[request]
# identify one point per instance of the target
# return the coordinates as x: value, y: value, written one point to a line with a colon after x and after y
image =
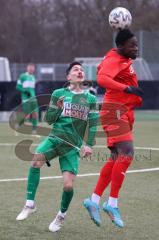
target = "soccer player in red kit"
x: 116, y: 74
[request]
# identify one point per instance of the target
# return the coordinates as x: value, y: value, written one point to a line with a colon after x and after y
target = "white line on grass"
x: 137, y: 148
x: 13, y: 144
x: 79, y: 175
x: 96, y: 146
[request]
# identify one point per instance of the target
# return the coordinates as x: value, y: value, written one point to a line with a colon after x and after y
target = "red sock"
x: 105, y: 177
x: 118, y: 173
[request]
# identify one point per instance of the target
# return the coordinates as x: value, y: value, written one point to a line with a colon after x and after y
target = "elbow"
x: 47, y: 119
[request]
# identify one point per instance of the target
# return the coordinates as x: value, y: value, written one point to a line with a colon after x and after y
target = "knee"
x: 68, y: 186
x: 107, y: 168
x: 38, y: 161
x: 102, y: 172
x: 34, y: 115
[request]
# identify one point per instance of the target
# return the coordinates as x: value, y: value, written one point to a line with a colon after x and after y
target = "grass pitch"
x: 138, y: 198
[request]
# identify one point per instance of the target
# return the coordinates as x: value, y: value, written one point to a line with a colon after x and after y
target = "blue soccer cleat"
x: 114, y: 214
x: 93, y: 210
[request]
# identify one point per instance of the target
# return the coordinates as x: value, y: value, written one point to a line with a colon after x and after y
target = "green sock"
x: 33, y: 182
x: 34, y: 123
x: 66, y: 199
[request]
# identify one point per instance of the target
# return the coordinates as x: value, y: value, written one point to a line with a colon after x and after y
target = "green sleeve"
x: 92, y: 122
x: 53, y: 112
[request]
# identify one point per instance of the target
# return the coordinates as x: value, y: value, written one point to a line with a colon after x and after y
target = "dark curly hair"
x: 122, y: 36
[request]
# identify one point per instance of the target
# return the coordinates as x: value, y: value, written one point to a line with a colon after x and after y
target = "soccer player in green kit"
x: 71, y: 110
x: 26, y: 86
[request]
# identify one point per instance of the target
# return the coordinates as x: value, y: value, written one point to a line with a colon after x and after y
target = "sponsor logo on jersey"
x: 75, y: 110
x: 29, y: 84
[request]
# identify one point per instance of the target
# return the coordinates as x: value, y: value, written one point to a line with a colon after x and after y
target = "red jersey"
x: 115, y: 73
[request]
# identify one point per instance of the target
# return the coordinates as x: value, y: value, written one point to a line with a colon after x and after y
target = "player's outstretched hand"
x: 134, y: 90
x: 86, y: 151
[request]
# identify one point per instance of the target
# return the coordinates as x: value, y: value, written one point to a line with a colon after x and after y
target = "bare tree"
x: 59, y: 30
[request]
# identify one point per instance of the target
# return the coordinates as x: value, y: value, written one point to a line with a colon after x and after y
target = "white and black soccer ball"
x: 120, y: 18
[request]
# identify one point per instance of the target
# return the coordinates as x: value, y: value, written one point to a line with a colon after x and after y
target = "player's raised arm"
x: 105, y: 77
x: 55, y: 107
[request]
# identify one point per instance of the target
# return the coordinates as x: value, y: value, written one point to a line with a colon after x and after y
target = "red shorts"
x: 117, y: 124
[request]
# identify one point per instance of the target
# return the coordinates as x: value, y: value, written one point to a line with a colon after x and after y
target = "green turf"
x: 138, y: 199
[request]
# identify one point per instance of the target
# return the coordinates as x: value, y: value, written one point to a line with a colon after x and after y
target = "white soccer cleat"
x: 56, y: 224
x: 26, y: 211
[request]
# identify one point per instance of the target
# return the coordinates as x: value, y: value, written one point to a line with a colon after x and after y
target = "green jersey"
x: 78, y: 114
x: 26, y: 85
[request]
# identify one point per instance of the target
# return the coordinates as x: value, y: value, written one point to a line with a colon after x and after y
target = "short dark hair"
x: 71, y: 66
x: 122, y: 36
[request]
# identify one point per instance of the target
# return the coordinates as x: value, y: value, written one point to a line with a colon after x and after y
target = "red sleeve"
x: 106, y: 73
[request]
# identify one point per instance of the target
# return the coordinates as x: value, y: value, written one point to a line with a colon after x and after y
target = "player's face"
x: 76, y: 74
x: 30, y: 69
x: 130, y: 48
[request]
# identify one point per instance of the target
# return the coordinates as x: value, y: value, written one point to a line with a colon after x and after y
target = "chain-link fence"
x: 146, y: 66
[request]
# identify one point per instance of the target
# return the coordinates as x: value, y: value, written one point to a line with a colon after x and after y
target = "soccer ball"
x: 120, y: 18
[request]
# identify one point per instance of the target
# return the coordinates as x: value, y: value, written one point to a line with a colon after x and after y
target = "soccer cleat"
x: 114, y: 214
x: 56, y: 224
x: 26, y: 211
x: 93, y: 210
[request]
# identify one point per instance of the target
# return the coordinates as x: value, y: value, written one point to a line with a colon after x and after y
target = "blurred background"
x: 52, y: 33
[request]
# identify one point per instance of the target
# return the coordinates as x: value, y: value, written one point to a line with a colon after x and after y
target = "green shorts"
x: 69, y: 157
x: 30, y: 106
